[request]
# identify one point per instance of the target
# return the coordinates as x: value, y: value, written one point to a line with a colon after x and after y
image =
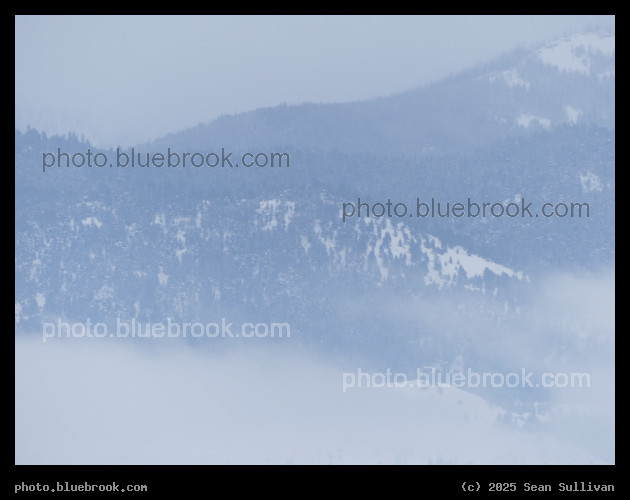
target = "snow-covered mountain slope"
x: 263, y: 245
x: 534, y: 125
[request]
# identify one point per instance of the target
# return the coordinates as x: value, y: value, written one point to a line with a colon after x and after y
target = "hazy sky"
x: 122, y: 80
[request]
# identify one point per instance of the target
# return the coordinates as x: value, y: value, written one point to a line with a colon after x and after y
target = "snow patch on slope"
x: 444, y: 267
x: 590, y: 182
x: 573, y: 114
x: 573, y: 53
x: 270, y: 210
x: 524, y: 120
x: 92, y: 221
x: 511, y: 78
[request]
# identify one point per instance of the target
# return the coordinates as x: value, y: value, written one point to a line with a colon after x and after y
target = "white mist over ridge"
x: 105, y: 403
x: 110, y: 401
